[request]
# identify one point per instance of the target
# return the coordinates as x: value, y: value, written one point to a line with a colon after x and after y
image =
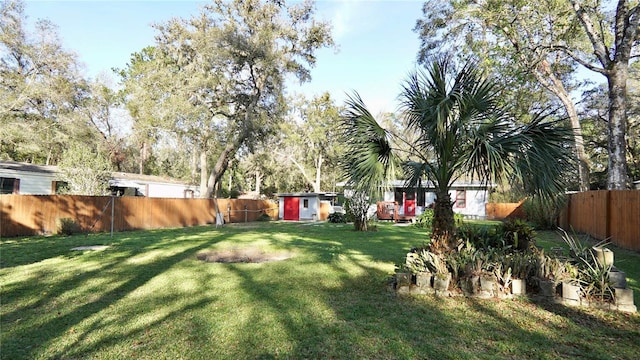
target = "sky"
x: 376, y: 46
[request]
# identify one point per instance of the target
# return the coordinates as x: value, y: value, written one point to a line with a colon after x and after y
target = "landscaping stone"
x: 488, y: 283
x: 403, y: 279
x: 618, y: 278
x: 627, y: 308
x: 547, y: 288
x: 624, y: 296
x: 423, y: 279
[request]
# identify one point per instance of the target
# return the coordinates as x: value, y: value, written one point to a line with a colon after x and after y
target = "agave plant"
x: 461, y: 130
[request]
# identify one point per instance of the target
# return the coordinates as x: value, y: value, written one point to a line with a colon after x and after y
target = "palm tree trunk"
x: 443, y: 227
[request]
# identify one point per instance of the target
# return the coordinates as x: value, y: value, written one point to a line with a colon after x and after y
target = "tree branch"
x: 600, y: 50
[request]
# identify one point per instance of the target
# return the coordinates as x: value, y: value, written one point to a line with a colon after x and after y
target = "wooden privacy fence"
x: 37, y: 214
x: 502, y: 211
x: 605, y: 214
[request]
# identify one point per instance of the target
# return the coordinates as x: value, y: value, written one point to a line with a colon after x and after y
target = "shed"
x: 304, y: 206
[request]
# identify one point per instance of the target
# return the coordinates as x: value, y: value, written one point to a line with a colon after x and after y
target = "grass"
x: 148, y: 297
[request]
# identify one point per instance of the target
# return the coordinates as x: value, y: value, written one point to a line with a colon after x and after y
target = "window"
x: 9, y: 185
x: 59, y: 187
x: 397, y: 196
x: 461, y: 198
x: 305, y: 203
x: 421, y: 198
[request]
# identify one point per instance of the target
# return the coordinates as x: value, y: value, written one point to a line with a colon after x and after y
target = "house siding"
x: 31, y: 183
x: 475, y: 206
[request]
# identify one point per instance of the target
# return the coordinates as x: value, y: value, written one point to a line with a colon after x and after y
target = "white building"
x: 30, y: 179
x: 469, y: 199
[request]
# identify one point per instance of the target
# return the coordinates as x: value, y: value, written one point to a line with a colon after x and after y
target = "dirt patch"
x: 250, y: 255
x: 91, y: 247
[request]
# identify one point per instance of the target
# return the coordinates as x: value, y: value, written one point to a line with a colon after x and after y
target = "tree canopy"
x: 462, y: 130
x: 217, y: 79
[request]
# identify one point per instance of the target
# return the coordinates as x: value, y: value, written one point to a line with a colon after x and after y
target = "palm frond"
x: 370, y: 160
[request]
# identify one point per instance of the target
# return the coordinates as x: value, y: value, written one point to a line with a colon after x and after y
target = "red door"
x: 291, y: 208
x: 410, y: 204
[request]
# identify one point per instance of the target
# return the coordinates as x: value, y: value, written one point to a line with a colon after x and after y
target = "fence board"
x: 501, y: 211
x: 25, y: 215
x: 605, y: 214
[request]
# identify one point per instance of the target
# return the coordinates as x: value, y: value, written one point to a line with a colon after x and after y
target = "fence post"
x: 245, y: 213
x: 607, y: 226
x: 112, y: 213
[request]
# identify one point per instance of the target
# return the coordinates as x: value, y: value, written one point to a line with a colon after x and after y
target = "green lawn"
x: 148, y: 297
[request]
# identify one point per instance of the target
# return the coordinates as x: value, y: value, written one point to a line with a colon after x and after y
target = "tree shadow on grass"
x: 43, y: 311
x: 368, y: 321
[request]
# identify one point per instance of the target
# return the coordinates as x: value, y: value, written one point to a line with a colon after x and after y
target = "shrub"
x: 543, y: 213
x: 263, y: 217
x: 67, y: 226
x: 337, y: 218
x: 458, y: 219
x: 424, y: 220
x: 518, y: 233
x: 482, y: 237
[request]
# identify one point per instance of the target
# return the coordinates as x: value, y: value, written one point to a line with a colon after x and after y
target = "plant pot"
x: 518, y: 286
x: 604, y: 256
x: 570, y: 291
x: 441, y: 281
x: 423, y: 279
x: 547, y: 288
x: 618, y: 279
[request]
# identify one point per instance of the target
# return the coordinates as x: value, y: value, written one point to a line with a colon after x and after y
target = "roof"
x: 307, y: 194
x: 118, y: 178
x: 26, y: 167
x: 429, y: 185
x: 129, y: 177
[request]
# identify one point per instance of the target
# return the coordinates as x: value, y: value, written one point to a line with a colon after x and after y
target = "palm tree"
x: 461, y: 130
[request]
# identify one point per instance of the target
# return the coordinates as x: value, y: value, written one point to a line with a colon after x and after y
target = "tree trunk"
x: 316, y: 185
x: 143, y: 156
x: 443, y: 228
x: 258, y: 181
x: 360, y: 225
x: 203, y: 174
x: 194, y: 167
x: 219, y: 168
x: 617, y: 80
x: 551, y: 82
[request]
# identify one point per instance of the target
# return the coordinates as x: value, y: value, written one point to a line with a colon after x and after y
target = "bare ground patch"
x: 248, y: 255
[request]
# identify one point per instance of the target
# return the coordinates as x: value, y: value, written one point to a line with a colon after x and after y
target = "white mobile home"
x: 22, y: 178
x: 469, y: 199
x: 30, y: 179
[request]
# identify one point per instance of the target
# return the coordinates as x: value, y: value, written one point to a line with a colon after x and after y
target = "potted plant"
x: 442, y: 277
x: 571, y: 288
x: 504, y: 276
x: 594, y: 277
x: 521, y: 266
x: 549, y: 272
